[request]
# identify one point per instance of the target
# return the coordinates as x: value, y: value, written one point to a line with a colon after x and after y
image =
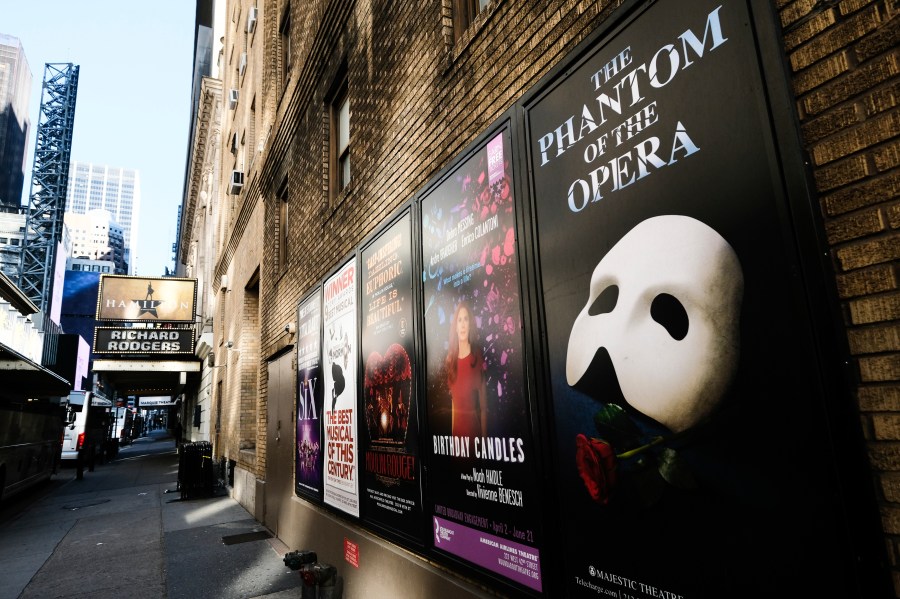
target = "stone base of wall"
x: 385, y: 569
x: 244, y: 490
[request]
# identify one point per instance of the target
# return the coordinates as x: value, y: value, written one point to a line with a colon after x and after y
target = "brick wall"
x: 239, y: 308
x: 410, y: 116
x: 844, y: 64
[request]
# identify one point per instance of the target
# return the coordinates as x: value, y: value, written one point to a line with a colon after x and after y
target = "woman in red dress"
x: 465, y: 376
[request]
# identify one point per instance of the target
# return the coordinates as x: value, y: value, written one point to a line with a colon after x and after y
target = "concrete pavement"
x: 123, y: 531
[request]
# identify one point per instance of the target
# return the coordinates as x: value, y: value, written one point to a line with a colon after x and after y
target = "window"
x: 464, y: 12
x: 343, y: 139
x: 340, y: 139
x: 285, y: 34
x: 251, y: 131
x: 283, y: 223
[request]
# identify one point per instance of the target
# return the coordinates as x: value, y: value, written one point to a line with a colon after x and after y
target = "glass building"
x: 114, y: 189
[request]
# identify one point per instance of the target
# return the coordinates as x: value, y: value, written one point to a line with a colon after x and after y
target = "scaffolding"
x: 50, y: 177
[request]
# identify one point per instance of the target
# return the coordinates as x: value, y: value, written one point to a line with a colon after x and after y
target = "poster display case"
x: 583, y: 359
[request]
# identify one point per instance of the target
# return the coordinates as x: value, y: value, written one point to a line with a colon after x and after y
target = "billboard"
x: 688, y: 424
x: 483, y: 479
x: 308, y: 466
x: 339, y: 355
x: 146, y: 299
x: 79, y: 304
x: 389, y: 412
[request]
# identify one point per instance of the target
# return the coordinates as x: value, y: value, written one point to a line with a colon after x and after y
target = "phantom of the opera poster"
x: 692, y: 457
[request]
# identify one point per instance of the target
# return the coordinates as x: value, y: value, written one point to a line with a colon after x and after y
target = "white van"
x: 88, y: 420
x: 124, y: 421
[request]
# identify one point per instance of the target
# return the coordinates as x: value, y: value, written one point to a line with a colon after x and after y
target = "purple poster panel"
x: 692, y: 453
x: 309, y: 397
x: 390, y: 408
x: 482, y: 464
x: 340, y: 409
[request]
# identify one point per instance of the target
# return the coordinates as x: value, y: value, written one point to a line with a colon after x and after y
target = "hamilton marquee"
x: 143, y: 299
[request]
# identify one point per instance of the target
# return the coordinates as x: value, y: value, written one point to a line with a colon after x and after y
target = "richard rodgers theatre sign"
x: 156, y: 315
x: 132, y: 340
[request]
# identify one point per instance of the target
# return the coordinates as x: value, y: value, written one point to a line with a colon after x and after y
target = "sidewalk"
x: 123, y: 531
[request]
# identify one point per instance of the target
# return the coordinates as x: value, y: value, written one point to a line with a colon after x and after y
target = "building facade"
x: 381, y: 197
x: 91, y: 265
x: 196, y: 246
x: 96, y: 236
x: 114, y: 189
x: 12, y: 232
x: 15, y: 124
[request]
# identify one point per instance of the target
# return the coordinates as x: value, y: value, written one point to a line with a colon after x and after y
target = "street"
x: 125, y: 531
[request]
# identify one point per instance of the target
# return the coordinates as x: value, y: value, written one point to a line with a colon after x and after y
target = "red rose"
x: 596, y: 462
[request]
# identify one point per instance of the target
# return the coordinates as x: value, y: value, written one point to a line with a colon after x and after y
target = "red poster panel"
x: 389, y: 413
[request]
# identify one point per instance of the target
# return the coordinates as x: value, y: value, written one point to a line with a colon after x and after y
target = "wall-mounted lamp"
x: 229, y: 344
x: 211, y: 363
x: 290, y: 328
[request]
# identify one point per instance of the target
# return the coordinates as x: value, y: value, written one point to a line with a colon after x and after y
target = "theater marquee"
x: 124, y: 340
x: 144, y: 299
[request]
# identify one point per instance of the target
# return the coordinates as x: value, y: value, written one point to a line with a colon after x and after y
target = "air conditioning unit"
x: 243, y: 64
x: 237, y: 182
x: 251, y: 20
x: 223, y: 283
x: 232, y: 98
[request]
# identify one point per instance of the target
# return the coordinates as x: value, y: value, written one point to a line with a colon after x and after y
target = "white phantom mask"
x: 665, y: 304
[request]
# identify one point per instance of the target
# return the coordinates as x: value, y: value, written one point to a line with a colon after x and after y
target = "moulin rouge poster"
x: 309, y: 397
x: 339, y: 362
x: 486, y: 507
x: 389, y: 413
x: 691, y: 450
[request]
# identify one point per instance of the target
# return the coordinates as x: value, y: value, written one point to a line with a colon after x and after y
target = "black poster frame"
x: 504, y: 123
x: 315, y: 497
x: 854, y: 507
x: 409, y: 210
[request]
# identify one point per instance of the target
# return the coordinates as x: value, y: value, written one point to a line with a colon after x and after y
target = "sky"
x: 134, y: 96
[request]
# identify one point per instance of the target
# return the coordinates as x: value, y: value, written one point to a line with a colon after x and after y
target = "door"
x: 280, y: 438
